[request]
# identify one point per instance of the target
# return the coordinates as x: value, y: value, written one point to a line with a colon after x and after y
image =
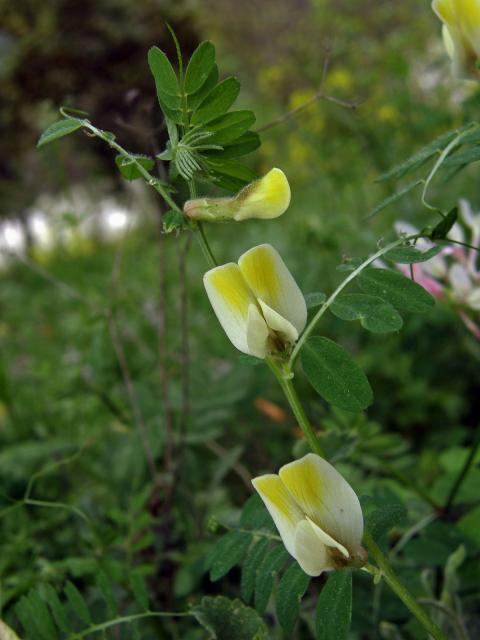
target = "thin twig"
x: 124, y: 367
x: 319, y: 95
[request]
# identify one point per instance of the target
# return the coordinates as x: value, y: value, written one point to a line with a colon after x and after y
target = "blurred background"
x: 76, y: 389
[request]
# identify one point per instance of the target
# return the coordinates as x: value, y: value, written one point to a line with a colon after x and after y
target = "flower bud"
x: 265, y: 198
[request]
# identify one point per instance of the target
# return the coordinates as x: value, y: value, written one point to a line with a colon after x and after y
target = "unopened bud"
x: 265, y: 198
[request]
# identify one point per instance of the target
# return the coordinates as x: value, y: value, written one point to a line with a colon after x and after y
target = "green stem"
x: 158, y: 186
x: 437, y: 166
x: 463, y: 471
x: 207, y: 252
x: 400, y: 590
x: 313, y: 322
x: 284, y: 377
x: 125, y: 619
x: 151, y: 180
x: 200, y: 231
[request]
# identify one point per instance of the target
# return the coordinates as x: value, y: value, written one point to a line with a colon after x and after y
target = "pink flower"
x: 453, y: 274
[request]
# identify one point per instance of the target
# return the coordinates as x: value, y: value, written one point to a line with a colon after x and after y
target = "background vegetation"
x: 97, y: 375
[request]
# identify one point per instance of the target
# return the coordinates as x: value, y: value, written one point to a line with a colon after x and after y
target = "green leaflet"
x: 375, y: 315
x: 290, y: 591
x: 199, y: 67
x: 59, y: 130
x: 401, y: 292
x: 334, y: 607
x: 334, y: 375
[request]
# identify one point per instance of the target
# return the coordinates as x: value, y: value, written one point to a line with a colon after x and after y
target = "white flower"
x: 316, y: 512
x: 257, y: 302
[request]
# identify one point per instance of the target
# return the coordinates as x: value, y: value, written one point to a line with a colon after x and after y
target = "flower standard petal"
x: 281, y: 506
x: 270, y: 280
x: 231, y: 300
x: 326, y: 498
x: 309, y: 551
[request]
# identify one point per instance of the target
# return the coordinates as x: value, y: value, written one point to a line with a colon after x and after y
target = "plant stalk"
x: 285, y: 382
x: 400, y: 590
x: 284, y: 378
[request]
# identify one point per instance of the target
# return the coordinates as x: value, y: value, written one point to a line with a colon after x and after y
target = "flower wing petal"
x: 326, y: 498
x: 257, y: 333
x: 281, y: 506
x: 275, y: 321
x: 270, y: 280
x: 309, y: 551
x: 231, y: 299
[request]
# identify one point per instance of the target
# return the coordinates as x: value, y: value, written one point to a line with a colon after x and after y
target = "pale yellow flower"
x: 266, y: 198
x: 317, y: 514
x: 257, y: 302
x: 461, y: 34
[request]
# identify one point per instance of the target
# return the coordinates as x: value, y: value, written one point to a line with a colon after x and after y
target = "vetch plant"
x: 264, y: 314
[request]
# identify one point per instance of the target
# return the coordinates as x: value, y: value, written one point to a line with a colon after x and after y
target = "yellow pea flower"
x: 257, y: 302
x: 6, y: 633
x: 267, y: 197
x: 317, y: 514
x: 461, y: 34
